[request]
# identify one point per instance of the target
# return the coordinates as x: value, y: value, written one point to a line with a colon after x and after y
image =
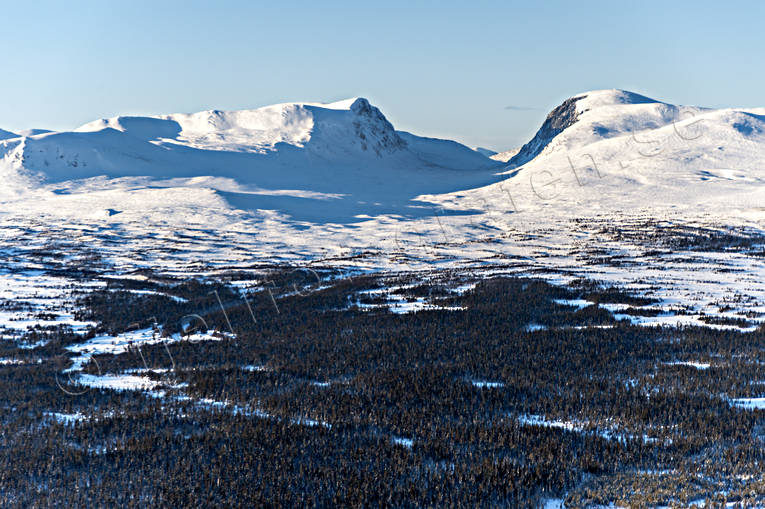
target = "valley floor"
x: 588, y: 362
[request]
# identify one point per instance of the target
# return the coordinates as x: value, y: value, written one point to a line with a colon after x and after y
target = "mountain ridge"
x: 344, y: 162
x: 301, y: 152
x: 351, y: 132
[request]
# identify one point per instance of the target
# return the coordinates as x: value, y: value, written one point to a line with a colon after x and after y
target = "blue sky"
x: 484, y: 73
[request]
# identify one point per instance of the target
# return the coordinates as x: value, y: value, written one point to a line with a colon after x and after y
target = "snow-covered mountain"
x: 617, y: 150
x: 345, y: 163
x: 347, y: 133
x: 345, y: 154
x: 594, y: 116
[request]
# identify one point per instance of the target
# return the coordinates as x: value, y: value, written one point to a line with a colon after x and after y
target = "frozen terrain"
x: 615, y: 187
x: 304, y: 274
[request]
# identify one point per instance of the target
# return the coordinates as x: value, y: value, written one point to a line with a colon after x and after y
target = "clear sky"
x: 483, y: 73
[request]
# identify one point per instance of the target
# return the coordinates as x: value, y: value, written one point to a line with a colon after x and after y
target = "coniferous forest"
x: 313, y: 391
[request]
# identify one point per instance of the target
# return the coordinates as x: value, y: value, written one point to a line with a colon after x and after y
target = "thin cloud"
x: 520, y: 108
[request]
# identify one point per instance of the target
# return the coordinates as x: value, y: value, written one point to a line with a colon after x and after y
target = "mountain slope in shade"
x: 4, y: 135
x: 323, y: 161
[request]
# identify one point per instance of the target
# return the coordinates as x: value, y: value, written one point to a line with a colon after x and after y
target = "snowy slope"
x: 485, y: 151
x: 32, y: 132
x: 506, y: 155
